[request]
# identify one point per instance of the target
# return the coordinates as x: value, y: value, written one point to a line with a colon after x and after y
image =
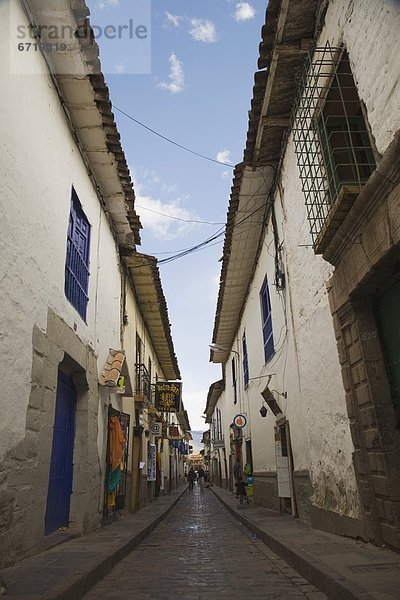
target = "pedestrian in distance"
x: 191, y: 477
x: 201, y: 474
x: 236, y: 470
x: 241, y: 490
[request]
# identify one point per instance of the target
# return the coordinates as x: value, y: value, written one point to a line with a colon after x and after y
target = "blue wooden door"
x: 61, y: 466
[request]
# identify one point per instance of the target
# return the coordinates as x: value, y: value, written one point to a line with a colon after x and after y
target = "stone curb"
x: 81, y: 581
x: 331, y: 583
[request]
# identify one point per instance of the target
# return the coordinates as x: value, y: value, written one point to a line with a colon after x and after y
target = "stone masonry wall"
x: 24, y: 472
x: 361, y: 270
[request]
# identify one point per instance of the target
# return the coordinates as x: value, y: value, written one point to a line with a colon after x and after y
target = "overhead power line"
x: 217, y: 234
x: 219, y: 162
x: 178, y: 218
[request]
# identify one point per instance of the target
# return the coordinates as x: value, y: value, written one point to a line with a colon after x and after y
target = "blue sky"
x: 196, y: 91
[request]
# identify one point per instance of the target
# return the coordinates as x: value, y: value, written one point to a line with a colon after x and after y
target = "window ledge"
x: 337, y: 214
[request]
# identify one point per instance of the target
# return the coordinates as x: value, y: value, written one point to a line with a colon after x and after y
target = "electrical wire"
x: 212, y: 240
x: 163, y: 137
x: 178, y: 218
x: 220, y: 232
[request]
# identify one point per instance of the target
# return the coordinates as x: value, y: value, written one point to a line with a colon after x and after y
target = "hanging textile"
x: 116, y: 443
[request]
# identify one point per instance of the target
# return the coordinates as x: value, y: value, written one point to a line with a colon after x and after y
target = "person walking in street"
x: 236, y: 470
x: 241, y: 490
x: 201, y: 474
x: 191, y: 477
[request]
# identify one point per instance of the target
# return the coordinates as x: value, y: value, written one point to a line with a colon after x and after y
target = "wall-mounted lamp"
x: 263, y: 411
x: 283, y: 394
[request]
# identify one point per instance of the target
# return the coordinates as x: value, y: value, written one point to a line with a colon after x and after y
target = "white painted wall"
x: 306, y: 364
x: 325, y: 422
x: 370, y: 30
x: 39, y: 163
x: 135, y: 325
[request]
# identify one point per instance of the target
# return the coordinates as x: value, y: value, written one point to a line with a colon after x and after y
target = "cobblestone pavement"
x: 201, y: 552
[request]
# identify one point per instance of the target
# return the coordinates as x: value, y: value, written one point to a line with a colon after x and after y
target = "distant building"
x: 196, y: 460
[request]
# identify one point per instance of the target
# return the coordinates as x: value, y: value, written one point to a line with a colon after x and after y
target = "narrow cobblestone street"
x: 201, y: 552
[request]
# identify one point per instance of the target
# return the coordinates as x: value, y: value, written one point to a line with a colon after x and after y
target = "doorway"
x: 388, y: 320
x: 283, y: 468
x: 62, y: 455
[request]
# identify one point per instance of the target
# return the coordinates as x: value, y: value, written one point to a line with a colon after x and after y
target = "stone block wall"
x: 24, y: 473
x: 266, y: 490
x: 363, y: 268
x: 303, y: 491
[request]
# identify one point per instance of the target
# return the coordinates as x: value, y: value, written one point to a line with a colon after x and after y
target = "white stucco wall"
x: 137, y: 325
x: 40, y: 163
x: 326, y: 425
x: 305, y: 365
x: 370, y: 30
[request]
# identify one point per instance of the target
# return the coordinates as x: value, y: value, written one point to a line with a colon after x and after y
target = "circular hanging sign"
x: 240, y: 421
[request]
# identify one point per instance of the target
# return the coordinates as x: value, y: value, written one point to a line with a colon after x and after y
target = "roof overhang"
x: 287, y: 36
x: 245, y: 224
x: 85, y: 99
x: 214, y: 392
x: 183, y: 419
x: 153, y: 306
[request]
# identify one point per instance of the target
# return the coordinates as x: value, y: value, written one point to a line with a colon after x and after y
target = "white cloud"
x: 102, y: 4
x: 225, y: 175
x: 223, y: 156
x: 176, y: 77
x: 173, y: 20
x: 169, y: 188
x: 120, y: 68
x: 203, y: 30
x: 244, y: 12
x: 159, y: 225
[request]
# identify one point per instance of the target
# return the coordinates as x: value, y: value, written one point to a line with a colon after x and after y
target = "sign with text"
x: 168, y: 396
x: 156, y: 429
x: 151, y: 463
x: 173, y: 433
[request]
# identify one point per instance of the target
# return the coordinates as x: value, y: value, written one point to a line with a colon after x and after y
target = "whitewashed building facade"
x: 68, y: 228
x: 305, y: 326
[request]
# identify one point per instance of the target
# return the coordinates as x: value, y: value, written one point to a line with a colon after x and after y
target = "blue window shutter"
x: 245, y: 361
x: 267, y: 322
x: 77, y: 259
x: 234, y: 381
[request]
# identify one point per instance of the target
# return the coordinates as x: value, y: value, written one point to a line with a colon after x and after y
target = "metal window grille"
x: 77, y: 259
x: 143, y: 386
x: 332, y: 144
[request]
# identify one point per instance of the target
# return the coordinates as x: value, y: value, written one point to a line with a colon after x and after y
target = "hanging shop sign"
x: 240, y: 421
x: 156, y: 429
x: 151, y: 462
x: 168, y: 396
x: 173, y: 433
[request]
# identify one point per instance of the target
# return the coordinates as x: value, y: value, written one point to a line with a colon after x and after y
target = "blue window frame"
x: 234, y: 382
x: 77, y: 259
x: 245, y: 361
x: 268, y: 337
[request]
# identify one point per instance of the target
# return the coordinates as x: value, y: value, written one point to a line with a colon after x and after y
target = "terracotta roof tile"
x: 112, y: 369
